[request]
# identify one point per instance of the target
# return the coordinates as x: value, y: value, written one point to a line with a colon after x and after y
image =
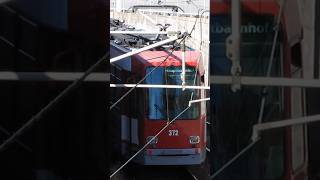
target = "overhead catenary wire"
x: 248, y: 147
x: 195, y: 23
x: 6, y: 132
x: 51, y: 104
x: 226, y: 165
x: 271, y: 59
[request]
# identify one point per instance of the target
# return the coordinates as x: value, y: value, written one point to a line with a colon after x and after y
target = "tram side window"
x: 139, y: 102
x: 136, y: 100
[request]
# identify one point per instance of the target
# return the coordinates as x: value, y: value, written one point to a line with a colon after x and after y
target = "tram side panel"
x: 126, y: 115
x: 117, y: 113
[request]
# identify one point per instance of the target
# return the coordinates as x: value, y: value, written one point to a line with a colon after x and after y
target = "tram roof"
x: 155, y: 58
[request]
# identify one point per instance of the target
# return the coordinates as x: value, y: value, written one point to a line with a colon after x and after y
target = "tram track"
x: 138, y: 172
x: 165, y: 173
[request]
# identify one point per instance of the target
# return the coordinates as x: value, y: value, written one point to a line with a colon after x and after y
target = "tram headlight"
x: 154, y: 141
x: 194, y: 139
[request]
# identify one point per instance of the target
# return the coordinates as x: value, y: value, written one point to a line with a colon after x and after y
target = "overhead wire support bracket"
x: 198, y: 100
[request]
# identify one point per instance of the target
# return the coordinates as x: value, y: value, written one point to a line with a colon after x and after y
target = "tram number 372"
x: 173, y: 133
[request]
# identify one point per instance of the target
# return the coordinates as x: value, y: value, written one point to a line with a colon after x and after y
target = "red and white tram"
x: 147, y: 110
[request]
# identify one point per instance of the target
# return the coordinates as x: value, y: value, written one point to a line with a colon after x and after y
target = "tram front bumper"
x: 191, y: 156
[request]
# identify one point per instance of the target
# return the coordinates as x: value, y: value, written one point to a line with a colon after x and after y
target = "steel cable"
x: 152, y: 139
x: 51, y: 104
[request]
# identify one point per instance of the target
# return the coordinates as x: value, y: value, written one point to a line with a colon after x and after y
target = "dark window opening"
x: 296, y: 55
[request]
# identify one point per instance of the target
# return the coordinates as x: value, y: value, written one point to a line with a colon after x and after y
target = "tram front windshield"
x: 164, y: 104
